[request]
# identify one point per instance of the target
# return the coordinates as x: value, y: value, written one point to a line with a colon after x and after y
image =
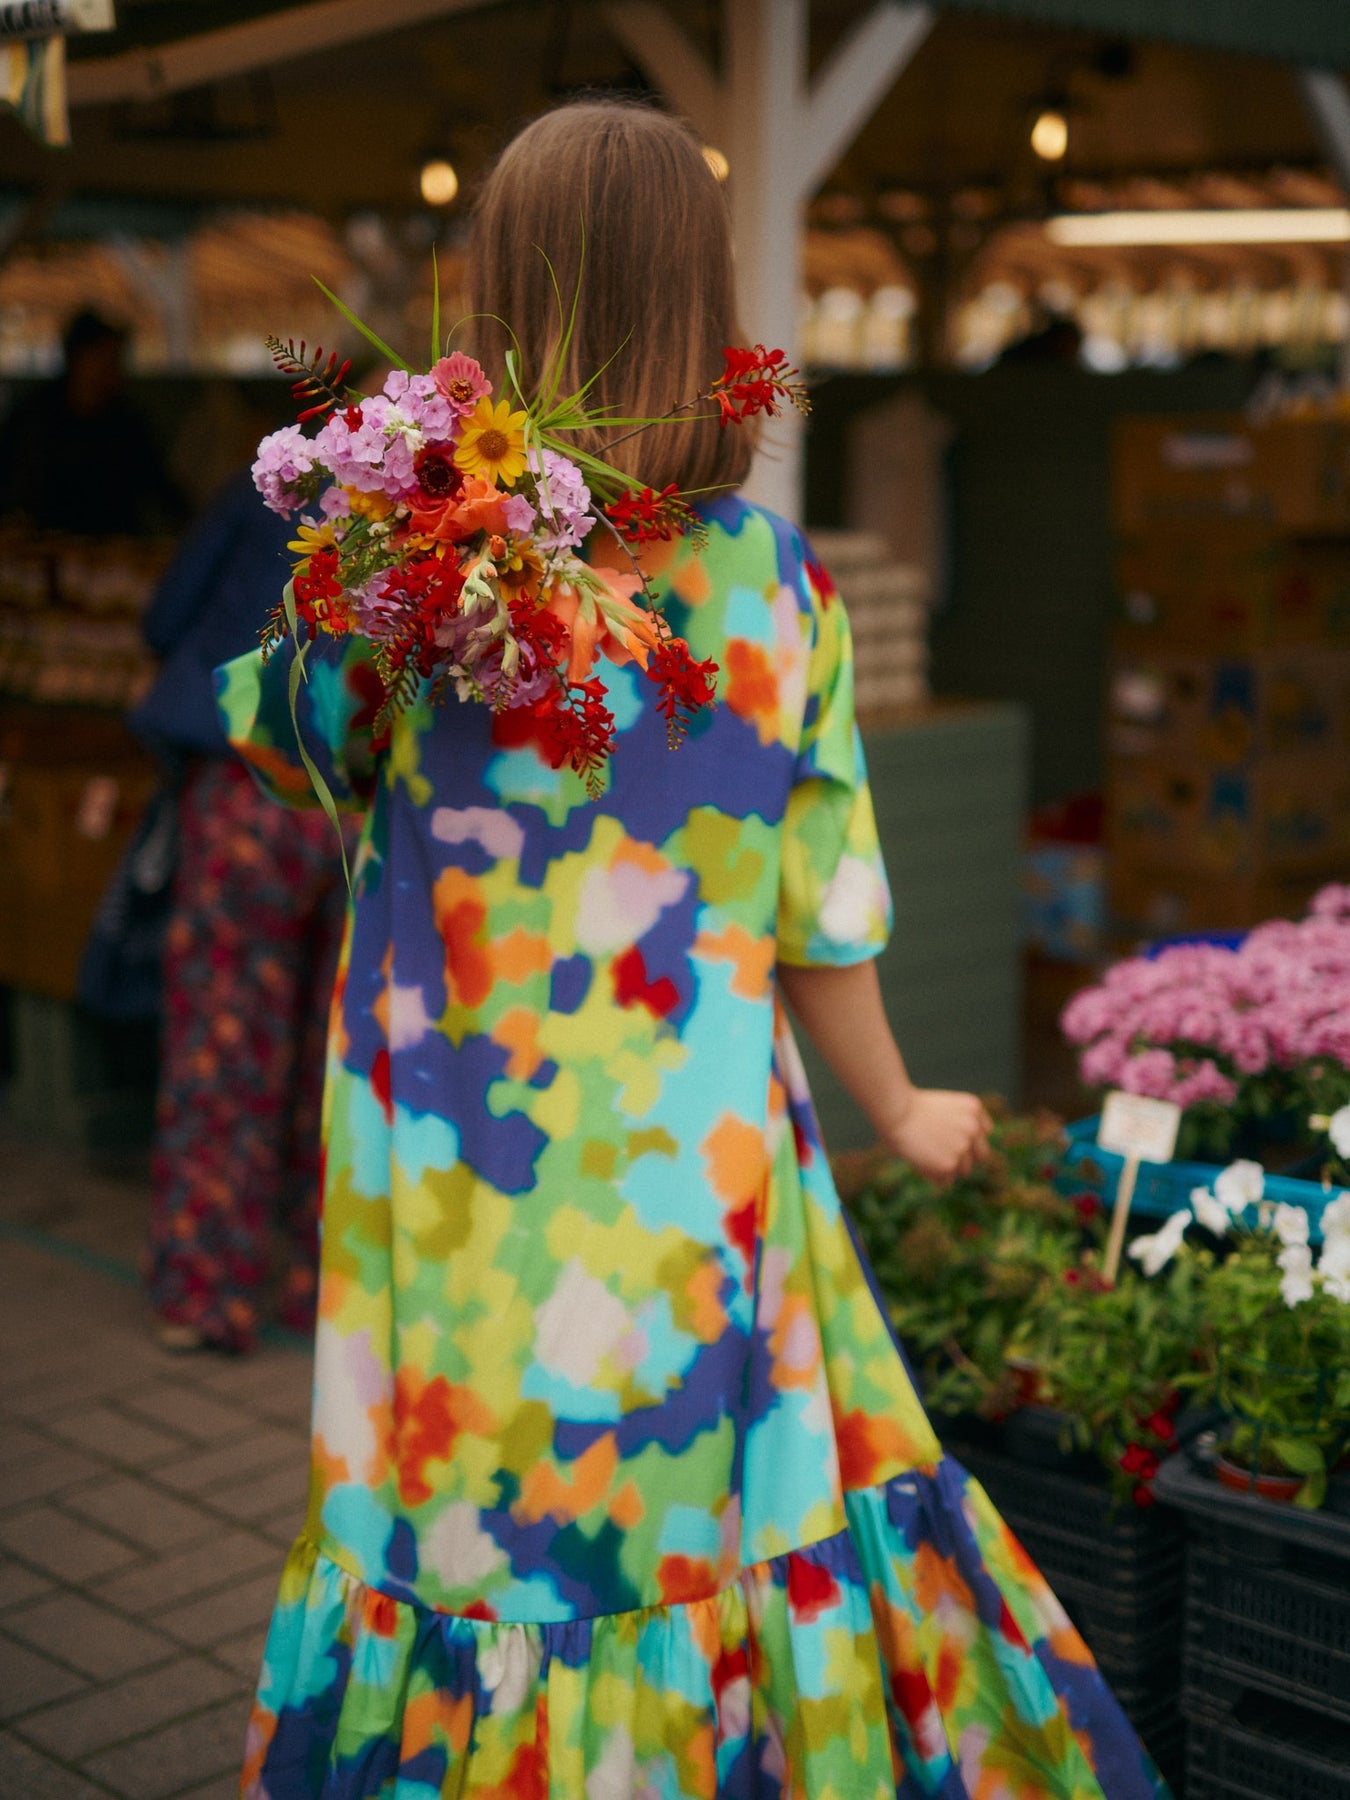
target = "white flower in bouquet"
x: 1240, y: 1185
x: 1338, y: 1130
x: 1155, y: 1252
x: 1297, y: 1284
x: 1209, y: 1212
x: 1290, y: 1224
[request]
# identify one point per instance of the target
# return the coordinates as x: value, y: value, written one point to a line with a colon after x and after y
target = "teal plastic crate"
x: 1161, y: 1188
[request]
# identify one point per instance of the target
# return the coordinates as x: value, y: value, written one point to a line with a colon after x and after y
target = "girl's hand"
x: 941, y: 1134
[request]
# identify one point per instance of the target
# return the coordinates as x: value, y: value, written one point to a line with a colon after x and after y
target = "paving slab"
x: 117, y: 1436
x: 153, y: 1586
x: 178, y: 1405
x: 25, y: 1774
x: 243, y: 1606
x: 19, y: 1583
x: 142, y: 1513
x: 89, y: 1638
x: 63, y: 1545
x: 109, y: 1715
x: 33, y: 1467
x: 28, y: 1679
x: 190, y: 1751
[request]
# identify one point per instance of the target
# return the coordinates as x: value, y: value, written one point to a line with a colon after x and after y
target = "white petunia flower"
x: 1338, y: 1130
x: 1155, y: 1252
x: 1297, y: 1285
x: 1290, y: 1224
x: 1209, y: 1212
x: 1336, y: 1218
x: 1240, y: 1185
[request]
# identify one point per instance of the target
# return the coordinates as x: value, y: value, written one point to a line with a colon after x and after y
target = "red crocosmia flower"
x: 319, y: 597
x: 1073, y: 1277
x: 757, y: 381
x: 1161, y: 1426
x: 686, y: 685
x: 353, y: 418
x: 1144, y: 1496
x: 643, y: 516
x: 1087, y: 1206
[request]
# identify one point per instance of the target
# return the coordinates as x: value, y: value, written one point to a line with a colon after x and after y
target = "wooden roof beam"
x: 237, y: 49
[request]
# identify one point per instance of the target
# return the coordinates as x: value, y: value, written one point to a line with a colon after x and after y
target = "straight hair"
x: 620, y: 200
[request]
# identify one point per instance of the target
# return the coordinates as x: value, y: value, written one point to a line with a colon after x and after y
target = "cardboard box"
x: 1172, y: 812
x: 1225, y: 712
x: 1290, y: 474
x: 1150, y: 905
x: 1231, y: 590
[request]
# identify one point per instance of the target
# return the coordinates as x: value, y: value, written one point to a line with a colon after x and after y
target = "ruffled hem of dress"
x: 916, y: 1654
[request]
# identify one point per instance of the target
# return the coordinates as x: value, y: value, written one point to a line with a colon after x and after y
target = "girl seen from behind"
x: 620, y: 1486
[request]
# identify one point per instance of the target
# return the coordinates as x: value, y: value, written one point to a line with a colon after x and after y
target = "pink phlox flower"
x: 520, y: 515
x: 376, y: 457
x: 563, y: 500
x: 285, y: 458
x: 421, y: 400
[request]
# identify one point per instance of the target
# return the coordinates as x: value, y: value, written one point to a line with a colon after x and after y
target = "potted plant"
x: 1252, y: 1040
x: 1114, y: 1359
x: 1273, y: 1334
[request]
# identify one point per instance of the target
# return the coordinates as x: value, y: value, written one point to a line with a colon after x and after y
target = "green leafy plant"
x: 964, y: 1268
x: 1279, y: 1372
x: 1113, y: 1361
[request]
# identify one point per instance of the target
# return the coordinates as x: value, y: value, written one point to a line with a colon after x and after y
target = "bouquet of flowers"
x: 444, y: 523
x: 1238, y: 1037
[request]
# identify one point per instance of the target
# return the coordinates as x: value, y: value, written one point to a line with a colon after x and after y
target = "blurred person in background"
x: 77, y: 453
x: 251, y: 952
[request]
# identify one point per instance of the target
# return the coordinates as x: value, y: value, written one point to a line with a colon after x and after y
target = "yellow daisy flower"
x: 492, y: 443
x: 368, y: 506
x: 307, y: 540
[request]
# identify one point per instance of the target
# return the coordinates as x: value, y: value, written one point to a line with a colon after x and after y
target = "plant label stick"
x: 1140, y: 1130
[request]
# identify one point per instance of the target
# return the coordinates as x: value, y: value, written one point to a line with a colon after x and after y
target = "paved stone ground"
x: 146, y: 1504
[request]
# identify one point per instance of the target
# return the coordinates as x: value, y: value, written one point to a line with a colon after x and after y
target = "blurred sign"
x: 54, y: 18
x: 1139, y: 1128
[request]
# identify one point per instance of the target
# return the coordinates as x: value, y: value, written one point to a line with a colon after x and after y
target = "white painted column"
x: 781, y: 138
x: 765, y: 100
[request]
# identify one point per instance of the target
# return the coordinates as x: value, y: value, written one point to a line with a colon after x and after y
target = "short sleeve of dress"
x: 335, y: 708
x: 834, y: 904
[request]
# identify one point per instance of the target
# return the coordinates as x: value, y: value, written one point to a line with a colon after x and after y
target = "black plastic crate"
x: 1267, y: 1601
x: 1264, y: 1752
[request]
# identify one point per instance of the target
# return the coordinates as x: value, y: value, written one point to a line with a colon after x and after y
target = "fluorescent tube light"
x: 1236, y: 225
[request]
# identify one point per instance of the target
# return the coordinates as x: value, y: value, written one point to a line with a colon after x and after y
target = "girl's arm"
x: 942, y: 1134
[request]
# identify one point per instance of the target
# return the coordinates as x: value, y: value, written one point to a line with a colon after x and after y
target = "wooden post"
x: 782, y: 137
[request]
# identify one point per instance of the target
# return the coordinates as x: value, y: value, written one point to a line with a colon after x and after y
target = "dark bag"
x: 120, y: 969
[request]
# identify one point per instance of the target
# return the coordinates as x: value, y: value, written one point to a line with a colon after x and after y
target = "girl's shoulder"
x: 750, y: 544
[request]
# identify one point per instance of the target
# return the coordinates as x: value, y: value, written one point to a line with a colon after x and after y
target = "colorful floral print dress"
x: 620, y: 1488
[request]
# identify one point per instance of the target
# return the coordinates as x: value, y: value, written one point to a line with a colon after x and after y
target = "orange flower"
x: 477, y: 506
x: 614, y: 628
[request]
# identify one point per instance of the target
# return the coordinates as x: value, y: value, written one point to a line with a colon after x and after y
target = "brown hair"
x: 654, y: 282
